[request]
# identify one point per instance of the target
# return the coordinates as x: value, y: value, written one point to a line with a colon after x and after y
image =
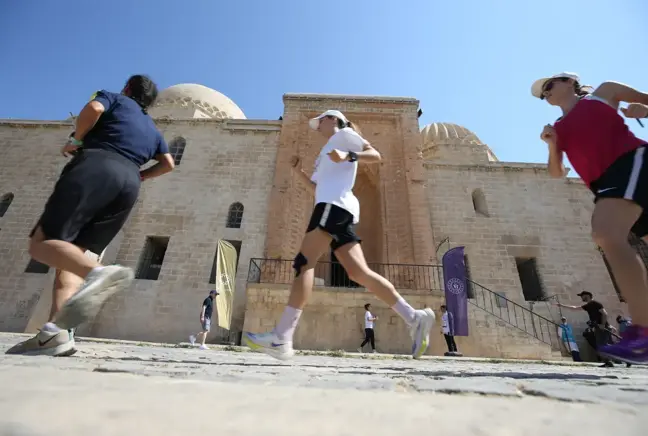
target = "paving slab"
x: 121, y: 388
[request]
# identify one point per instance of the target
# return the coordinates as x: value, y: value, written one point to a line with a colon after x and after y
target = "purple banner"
x: 454, y: 276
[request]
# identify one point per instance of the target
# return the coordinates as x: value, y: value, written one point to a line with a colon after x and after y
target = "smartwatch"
x: 353, y: 157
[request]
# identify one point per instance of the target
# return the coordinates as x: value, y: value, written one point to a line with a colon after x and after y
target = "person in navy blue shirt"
x: 91, y: 201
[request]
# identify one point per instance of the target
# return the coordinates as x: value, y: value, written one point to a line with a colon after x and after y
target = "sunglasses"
x: 550, y: 84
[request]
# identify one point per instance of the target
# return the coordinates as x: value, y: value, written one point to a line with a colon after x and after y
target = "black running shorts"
x: 335, y: 221
x: 627, y: 178
x: 92, y: 199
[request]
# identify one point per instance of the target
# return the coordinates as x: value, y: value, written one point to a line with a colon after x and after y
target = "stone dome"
x: 454, y: 143
x: 190, y: 100
x: 447, y: 133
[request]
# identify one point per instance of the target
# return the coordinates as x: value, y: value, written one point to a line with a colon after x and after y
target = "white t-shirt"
x: 369, y: 324
x: 334, y: 181
x: 445, y: 323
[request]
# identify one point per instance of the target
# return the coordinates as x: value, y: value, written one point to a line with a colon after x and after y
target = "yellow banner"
x: 225, y: 281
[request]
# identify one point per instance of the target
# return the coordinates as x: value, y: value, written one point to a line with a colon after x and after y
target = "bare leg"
x: 611, y: 223
x: 352, y: 259
x: 278, y: 343
x: 203, y: 337
x: 65, y: 285
x: 314, y: 245
x: 419, y: 321
x: 60, y: 255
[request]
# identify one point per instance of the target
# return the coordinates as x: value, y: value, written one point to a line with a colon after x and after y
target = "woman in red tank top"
x: 613, y: 163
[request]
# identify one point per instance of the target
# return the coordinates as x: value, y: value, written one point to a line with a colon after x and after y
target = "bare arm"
x: 566, y: 306
x: 369, y: 155
x: 307, y: 180
x: 87, y: 119
x: 615, y: 93
x: 555, y: 165
x: 297, y: 167
x: 165, y: 164
x: 202, y: 312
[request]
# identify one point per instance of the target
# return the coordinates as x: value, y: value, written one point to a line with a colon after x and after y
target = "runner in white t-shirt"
x: 332, y: 224
x: 369, y: 319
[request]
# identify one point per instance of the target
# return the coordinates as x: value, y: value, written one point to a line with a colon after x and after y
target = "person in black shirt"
x: 598, y: 320
x: 205, y: 320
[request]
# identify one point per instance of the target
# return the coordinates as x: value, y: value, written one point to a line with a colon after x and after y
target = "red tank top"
x: 593, y: 135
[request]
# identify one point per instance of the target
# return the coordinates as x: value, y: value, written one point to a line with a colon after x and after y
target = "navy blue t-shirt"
x: 125, y: 129
x: 209, y: 307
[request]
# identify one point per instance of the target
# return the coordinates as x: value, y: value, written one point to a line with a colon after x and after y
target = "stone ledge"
x: 500, y: 166
x: 352, y: 98
x: 35, y: 123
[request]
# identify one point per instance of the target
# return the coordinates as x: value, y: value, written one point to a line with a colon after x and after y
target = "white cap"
x: 538, y: 85
x: 314, y: 123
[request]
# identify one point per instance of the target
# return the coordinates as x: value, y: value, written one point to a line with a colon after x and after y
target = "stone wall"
x: 30, y: 163
x: 334, y: 320
x: 529, y: 214
x: 223, y: 163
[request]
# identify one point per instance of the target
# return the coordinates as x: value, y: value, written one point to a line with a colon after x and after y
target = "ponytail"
x: 582, y: 90
x: 353, y: 126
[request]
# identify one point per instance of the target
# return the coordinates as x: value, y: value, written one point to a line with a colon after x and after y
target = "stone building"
x: 526, y: 235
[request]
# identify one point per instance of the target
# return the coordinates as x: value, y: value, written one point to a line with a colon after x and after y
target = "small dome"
x: 447, y: 133
x: 189, y: 100
x: 453, y: 143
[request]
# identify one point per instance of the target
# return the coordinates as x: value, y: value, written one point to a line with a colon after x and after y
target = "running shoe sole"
x: 269, y: 351
x: 421, y: 343
x: 87, y: 303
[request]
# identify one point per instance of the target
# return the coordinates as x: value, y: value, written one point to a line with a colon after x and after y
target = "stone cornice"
x: 35, y: 123
x: 229, y: 124
x: 513, y: 167
x: 351, y: 98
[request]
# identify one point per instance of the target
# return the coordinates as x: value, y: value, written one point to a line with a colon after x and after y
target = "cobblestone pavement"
x: 117, y: 388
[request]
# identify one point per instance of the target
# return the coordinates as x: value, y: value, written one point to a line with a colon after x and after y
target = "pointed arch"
x: 235, y: 216
x: 5, y: 202
x: 479, y: 202
x: 177, y: 148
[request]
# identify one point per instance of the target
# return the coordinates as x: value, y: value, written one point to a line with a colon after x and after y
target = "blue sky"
x: 469, y: 62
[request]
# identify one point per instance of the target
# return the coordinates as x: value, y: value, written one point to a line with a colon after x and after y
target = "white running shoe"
x: 420, y: 331
x: 270, y: 344
x: 99, y: 285
x: 46, y: 344
x: 192, y: 340
x: 203, y: 347
x: 360, y: 350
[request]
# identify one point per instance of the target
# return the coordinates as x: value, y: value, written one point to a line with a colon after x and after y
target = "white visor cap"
x: 538, y: 86
x: 314, y: 123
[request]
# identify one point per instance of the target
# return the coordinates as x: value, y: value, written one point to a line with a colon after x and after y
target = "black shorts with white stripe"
x: 335, y: 221
x: 627, y: 178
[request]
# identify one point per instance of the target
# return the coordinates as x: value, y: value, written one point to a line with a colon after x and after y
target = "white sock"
x: 288, y: 323
x: 406, y: 311
x: 50, y: 327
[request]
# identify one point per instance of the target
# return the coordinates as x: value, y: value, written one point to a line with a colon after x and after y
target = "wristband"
x: 73, y: 141
x: 353, y: 156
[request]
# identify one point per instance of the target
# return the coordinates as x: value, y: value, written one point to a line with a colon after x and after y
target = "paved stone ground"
x: 116, y: 388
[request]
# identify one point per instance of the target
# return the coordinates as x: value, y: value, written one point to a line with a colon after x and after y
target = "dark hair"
x: 367, y: 306
x: 141, y: 89
x: 342, y: 125
x: 581, y: 90
x: 443, y: 306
